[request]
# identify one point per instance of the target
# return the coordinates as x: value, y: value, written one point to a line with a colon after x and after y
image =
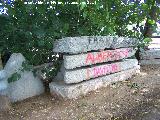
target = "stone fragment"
x: 85, y: 73
x: 75, y: 90
x: 84, y: 59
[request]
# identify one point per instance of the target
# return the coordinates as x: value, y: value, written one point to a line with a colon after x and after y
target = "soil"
x: 135, y: 99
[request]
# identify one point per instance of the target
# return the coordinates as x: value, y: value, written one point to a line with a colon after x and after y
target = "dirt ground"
x: 135, y: 99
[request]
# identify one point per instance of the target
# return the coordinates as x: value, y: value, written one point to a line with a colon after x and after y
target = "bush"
x: 32, y: 28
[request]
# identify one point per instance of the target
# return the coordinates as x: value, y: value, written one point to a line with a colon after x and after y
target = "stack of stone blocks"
x: 151, y: 56
x: 92, y: 62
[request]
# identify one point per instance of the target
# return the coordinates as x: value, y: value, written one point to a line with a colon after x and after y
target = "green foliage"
x: 26, y: 67
x: 145, y: 42
x: 133, y: 85
x: 14, y: 77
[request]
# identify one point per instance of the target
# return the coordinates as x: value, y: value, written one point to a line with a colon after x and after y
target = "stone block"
x: 149, y: 54
x: 73, y: 91
x: 85, y: 73
x: 84, y: 59
x: 27, y: 86
x: 74, y: 45
x: 150, y: 62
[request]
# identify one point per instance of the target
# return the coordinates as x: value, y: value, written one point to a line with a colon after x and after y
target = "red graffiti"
x: 102, y: 70
x: 106, y: 55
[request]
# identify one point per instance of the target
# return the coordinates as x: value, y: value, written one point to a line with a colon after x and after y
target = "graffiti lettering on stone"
x: 102, y: 70
x: 106, y: 55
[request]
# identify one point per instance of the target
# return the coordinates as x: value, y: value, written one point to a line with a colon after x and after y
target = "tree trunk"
x: 153, y: 14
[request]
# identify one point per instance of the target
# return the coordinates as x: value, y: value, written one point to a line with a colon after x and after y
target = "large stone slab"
x: 149, y: 54
x: 74, y: 45
x: 75, y: 90
x: 85, y: 73
x: 150, y: 62
x: 121, y: 42
x: 73, y: 61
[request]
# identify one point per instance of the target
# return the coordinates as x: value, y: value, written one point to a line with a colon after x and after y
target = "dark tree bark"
x: 153, y: 15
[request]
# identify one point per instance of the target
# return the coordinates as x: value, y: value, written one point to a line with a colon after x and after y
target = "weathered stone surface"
x: 150, y: 62
x: 4, y: 103
x: 3, y: 84
x: 149, y: 54
x: 2, y: 74
x: 85, y: 73
x: 14, y: 64
x: 27, y: 86
x: 74, y: 90
x: 154, y: 44
x: 82, y: 44
x: 120, y: 42
x: 74, y: 45
x: 73, y: 61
